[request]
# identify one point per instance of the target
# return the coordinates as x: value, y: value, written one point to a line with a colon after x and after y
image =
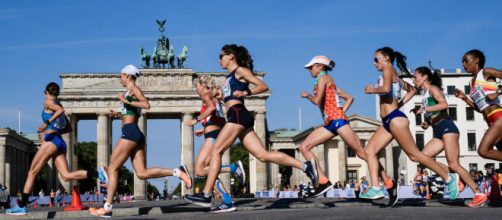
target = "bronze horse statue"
x: 145, y: 58
x: 182, y: 58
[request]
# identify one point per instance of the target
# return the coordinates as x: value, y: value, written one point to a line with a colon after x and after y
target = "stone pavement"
x: 156, y: 208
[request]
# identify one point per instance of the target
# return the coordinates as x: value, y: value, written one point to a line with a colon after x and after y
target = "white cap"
x: 322, y: 60
x: 130, y: 70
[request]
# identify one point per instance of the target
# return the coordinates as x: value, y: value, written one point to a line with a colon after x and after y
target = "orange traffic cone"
x: 428, y: 196
x: 76, y: 203
x: 50, y: 203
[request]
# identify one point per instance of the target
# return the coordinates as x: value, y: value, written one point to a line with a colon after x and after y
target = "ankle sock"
x: 107, y: 206
x: 176, y: 172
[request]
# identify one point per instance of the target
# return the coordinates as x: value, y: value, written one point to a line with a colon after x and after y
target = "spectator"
x: 52, y: 195
x: 41, y: 193
x: 357, y: 186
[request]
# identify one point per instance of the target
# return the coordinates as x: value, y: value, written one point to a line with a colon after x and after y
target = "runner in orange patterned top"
x: 329, y: 99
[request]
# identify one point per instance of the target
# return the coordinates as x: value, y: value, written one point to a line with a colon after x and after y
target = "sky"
x: 41, y: 39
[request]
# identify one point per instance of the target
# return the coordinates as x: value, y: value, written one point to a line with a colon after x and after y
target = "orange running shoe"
x: 478, y: 201
x: 101, y: 212
x: 185, y: 176
x: 461, y: 186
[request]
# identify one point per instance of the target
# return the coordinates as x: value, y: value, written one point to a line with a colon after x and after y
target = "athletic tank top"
x: 216, y: 118
x: 395, y: 88
x: 331, y: 104
x: 230, y: 85
x: 428, y: 101
x: 57, y: 125
x: 129, y: 109
x: 480, y: 88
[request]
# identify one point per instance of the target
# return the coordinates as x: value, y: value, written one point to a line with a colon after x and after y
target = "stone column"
x: 15, y: 169
x: 50, y: 175
x: 8, y: 162
x: 319, y: 152
x: 71, y: 140
x: 2, y: 163
x: 342, y: 159
x: 187, y: 147
x: 257, y: 169
x: 104, y: 136
x: 140, y: 185
x: 389, y: 166
x: 382, y: 159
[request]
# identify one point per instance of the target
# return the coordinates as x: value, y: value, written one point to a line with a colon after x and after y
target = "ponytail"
x: 401, y: 62
x: 434, y: 77
x: 397, y: 56
x: 241, y: 54
x: 53, y: 89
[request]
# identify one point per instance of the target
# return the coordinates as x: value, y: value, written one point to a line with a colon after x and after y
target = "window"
x: 469, y: 114
x: 450, y: 90
x: 452, y: 111
x: 419, y: 138
x: 350, y: 152
x: 467, y: 89
x: 471, y: 141
x: 473, y: 167
x: 418, y: 118
x: 490, y: 166
x: 351, y: 176
x: 500, y: 165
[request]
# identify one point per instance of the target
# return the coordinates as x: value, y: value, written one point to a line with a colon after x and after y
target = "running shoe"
x: 239, y: 173
x: 185, y: 176
x: 101, y: 212
x: 199, y: 199
x: 321, y: 189
x: 453, y: 186
x: 17, y: 211
x: 372, y: 194
x: 224, y: 208
x: 103, y: 174
x: 393, y: 193
x: 478, y: 201
x: 311, y: 172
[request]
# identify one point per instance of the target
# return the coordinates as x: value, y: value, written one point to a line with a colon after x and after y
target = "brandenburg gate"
x: 172, y: 95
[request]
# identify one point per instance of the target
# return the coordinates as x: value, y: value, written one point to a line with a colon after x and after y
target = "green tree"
x: 86, y: 153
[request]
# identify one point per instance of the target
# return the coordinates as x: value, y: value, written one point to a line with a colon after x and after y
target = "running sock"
x: 207, y: 194
x: 323, y: 180
x: 24, y: 200
x: 107, y: 206
x: 176, y: 172
x: 479, y: 194
x: 389, y: 184
x: 449, y: 179
x: 375, y: 187
x: 92, y: 174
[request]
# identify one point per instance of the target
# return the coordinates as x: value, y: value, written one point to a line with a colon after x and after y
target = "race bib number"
x: 227, y: 91
x: 479, y: 98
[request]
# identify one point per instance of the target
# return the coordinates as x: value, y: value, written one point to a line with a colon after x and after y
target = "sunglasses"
x: 377, y: 59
